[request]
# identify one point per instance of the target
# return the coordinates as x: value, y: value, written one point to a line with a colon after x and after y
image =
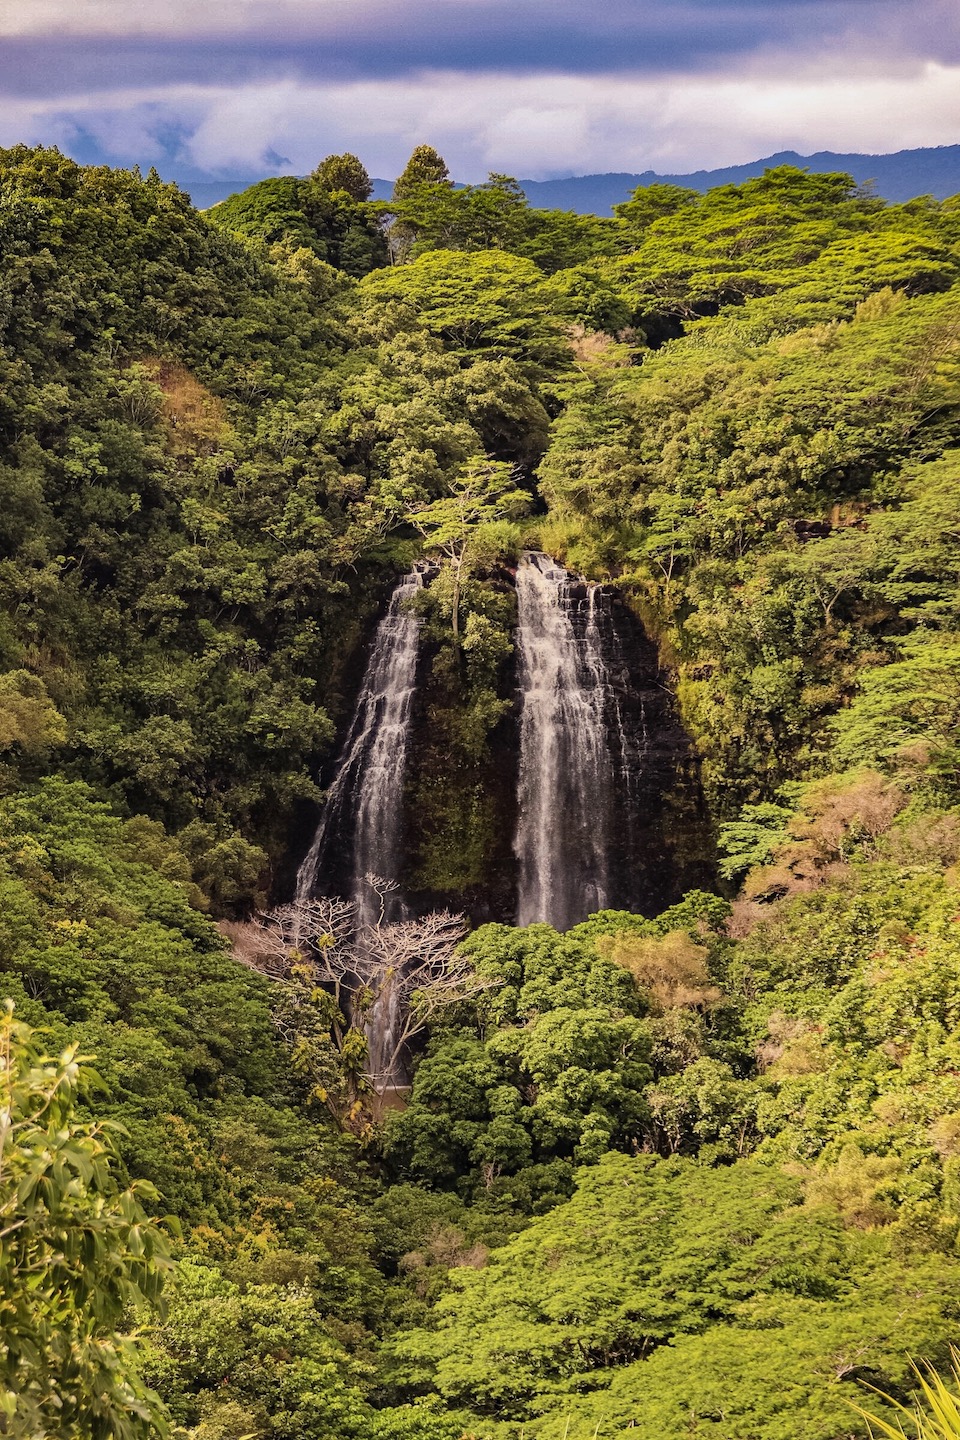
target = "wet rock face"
x: 608, y: 802
x: 588, y: 796
x: 661, y: 842
x: 485, y: 796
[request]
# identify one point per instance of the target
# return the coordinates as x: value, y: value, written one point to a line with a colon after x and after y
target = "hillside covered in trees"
x: 694, y: 1171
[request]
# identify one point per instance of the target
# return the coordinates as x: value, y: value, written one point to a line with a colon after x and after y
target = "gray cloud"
x: 536, y: 87
x: 534, y: 126
x: 330, y: 40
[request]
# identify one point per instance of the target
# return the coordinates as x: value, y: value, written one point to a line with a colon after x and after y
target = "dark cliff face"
x: 461, y: 818
x: 462, y: 770
x: 460, y: 811
x: 662, y: 844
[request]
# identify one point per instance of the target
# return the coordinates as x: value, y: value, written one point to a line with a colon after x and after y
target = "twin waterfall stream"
x: 567, y: 772
x: 363, y: 813
x: 587, y: 811
x: 364, y: 804
x: 576, y: 771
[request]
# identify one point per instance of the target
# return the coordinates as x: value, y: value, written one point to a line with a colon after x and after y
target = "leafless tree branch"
x: 395, y: 977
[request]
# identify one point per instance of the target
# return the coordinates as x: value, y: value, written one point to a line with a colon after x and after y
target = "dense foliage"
x: 76, y: 1249
x: 698, y: 1173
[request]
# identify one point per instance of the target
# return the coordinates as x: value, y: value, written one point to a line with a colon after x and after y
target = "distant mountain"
x: 930, y: 171
x: 934, y: 170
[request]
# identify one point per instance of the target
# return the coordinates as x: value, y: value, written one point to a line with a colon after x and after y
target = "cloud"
x: 533, y: 87
x: 73, y: 47
x: 533, y: 126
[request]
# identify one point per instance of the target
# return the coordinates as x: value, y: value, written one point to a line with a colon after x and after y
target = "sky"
x: 533, y: 88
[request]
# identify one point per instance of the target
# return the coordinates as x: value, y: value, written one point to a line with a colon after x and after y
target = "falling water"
x: 360, y: 830
x: 567, y: 771
x: 362, y: 814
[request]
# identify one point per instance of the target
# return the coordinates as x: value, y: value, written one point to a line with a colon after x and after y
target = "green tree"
x: 666, y: 1294
x: 254, y: 1360
x: 652, y: 202
x: 29, y: 721
x: 753, y: 838
x: 422, y: 190
x: 913, y: 701
x: 425, y: 167
x: 77, y: 1252
x: 487, y: 304
x: 453, y: 526
x: 306, y: 215
x: 344, y: 172
x: 560, y: 1073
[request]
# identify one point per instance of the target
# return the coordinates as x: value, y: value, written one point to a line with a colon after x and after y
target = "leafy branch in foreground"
x: 76, y: 1253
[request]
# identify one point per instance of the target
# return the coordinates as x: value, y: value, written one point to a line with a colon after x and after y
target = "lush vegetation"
x: 692, y: 1174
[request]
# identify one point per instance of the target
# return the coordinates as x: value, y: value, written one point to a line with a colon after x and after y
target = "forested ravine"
x: 605, y: 812
x: 685, y: 485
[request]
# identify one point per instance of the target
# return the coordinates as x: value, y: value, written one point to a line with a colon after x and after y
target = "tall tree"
x: 425, y: 167
x: 484, y: 495
x: 344, y: 172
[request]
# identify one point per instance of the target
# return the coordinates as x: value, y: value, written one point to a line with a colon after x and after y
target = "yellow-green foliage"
x: 936, y: 1414
x: 77, y: 1251
x: 698, y: 1173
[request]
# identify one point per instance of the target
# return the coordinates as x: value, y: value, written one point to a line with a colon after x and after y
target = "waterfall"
x: 360, y: 830
x: 567, y: 771
x: 361, y: 827
x: 606, y: 798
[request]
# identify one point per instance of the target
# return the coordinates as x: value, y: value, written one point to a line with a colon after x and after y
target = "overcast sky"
x: 537, y: 88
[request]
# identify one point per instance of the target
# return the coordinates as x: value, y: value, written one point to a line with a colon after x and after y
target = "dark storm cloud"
x: 331, y: 41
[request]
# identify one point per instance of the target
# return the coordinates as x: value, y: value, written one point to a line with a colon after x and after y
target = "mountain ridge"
x: 902, y: 175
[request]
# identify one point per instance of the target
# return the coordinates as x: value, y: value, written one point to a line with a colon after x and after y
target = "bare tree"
x: 410, y: 971
x: 281, y: 938
x: 310, y: 941
x: 388, y: 980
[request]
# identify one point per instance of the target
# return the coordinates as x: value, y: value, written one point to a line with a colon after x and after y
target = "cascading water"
x: 567, y: 771
x: 362, y: 814
x: 610, y: 810
x: 360, y: 830
x: 606, y: 811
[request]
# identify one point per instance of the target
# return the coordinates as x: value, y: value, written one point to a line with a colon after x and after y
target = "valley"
x: 479, y: 702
